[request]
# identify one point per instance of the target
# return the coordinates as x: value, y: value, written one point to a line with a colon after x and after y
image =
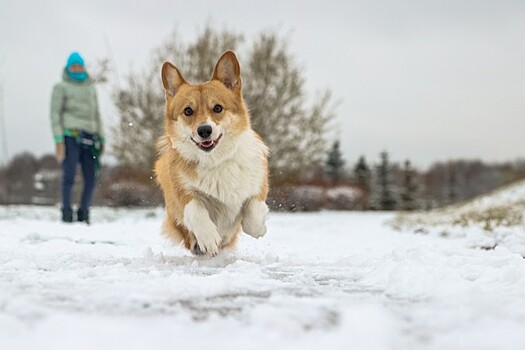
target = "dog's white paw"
x: 197, y: 220
x: 254, y: 217
x: 207, y: 244
x: 254, y: 230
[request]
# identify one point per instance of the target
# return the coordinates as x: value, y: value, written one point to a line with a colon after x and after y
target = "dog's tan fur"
x: 211, y: 196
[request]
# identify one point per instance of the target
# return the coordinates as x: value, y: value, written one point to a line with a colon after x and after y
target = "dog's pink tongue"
x: 207, y: 144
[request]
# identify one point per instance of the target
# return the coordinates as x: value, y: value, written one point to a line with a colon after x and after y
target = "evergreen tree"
x: 362, y: 174
x: 335, y: 163
x: 408, y: 194
x: 386, y: 196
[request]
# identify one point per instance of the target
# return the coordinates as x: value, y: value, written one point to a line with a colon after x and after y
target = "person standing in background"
x: 77, y: 129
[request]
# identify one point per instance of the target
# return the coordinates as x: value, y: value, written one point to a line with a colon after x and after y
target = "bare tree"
x: 273, y: 87
x: 140, y: 106
x: 22, y: 168
x: 140, y: 103
x: 20, y: 174
x: 48, y: 161
x: 99, y: 71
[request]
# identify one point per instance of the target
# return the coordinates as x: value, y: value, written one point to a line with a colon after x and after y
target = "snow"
x: 493, y: 220
x: 328, y: 280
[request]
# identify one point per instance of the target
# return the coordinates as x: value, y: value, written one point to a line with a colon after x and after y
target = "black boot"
x: 67, y: 215
x: 83, y: 215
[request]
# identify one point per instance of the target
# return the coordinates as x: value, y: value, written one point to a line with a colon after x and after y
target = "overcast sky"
x: 425, y: 80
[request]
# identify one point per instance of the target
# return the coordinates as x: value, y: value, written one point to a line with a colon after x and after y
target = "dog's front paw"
x: 196, y: 250
x: 207, y: 244
x: 255, y: 230
x: 253, y: 221
x: 197, y: 220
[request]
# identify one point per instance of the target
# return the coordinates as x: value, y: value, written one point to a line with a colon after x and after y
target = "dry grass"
x: 488, y: 212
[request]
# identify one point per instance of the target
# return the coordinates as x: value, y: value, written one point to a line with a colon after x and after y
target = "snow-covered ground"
x: 316, y: 281
x: 496, y: 219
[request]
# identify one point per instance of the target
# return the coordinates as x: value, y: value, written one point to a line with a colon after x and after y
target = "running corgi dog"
x: 212, y: 167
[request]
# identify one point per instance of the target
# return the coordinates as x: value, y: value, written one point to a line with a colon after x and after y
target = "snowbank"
x: 495, y: 219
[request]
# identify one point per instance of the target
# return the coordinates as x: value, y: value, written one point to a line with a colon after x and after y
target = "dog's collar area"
x: 207, y: 145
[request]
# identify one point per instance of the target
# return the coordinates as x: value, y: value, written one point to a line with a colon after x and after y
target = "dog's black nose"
x: 204, y: 131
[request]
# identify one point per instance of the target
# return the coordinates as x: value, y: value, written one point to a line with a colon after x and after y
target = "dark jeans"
x: 78, y: 152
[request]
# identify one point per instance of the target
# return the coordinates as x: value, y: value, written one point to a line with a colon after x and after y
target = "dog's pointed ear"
x: 172, y: 79
x: 228, y: 71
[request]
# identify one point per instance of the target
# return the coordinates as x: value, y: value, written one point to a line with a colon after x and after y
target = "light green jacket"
x: 74, y: 106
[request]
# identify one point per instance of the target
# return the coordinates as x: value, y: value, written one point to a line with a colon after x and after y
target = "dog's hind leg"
x: 170, y: 229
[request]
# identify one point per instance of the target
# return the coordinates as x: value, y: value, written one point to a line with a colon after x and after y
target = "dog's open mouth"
x: 208, y: 145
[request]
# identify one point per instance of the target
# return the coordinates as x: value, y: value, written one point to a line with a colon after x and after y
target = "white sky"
x: 425, y: 80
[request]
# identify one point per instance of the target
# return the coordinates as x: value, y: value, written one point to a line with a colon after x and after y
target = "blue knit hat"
x: 75, y: 58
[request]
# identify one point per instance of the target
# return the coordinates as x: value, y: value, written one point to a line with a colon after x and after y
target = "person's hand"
x: 60, y: 151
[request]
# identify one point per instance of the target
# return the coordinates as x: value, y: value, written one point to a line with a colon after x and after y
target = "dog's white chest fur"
x: 225, y: 184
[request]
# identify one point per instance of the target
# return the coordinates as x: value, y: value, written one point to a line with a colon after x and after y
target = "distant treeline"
x: 296, y: 125
x: 293, y: 123
x: 393, y: 186
x: 376, y: 185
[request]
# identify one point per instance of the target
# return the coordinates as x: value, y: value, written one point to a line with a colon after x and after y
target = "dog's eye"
x: 217, y: 108
x: 188, y: 111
